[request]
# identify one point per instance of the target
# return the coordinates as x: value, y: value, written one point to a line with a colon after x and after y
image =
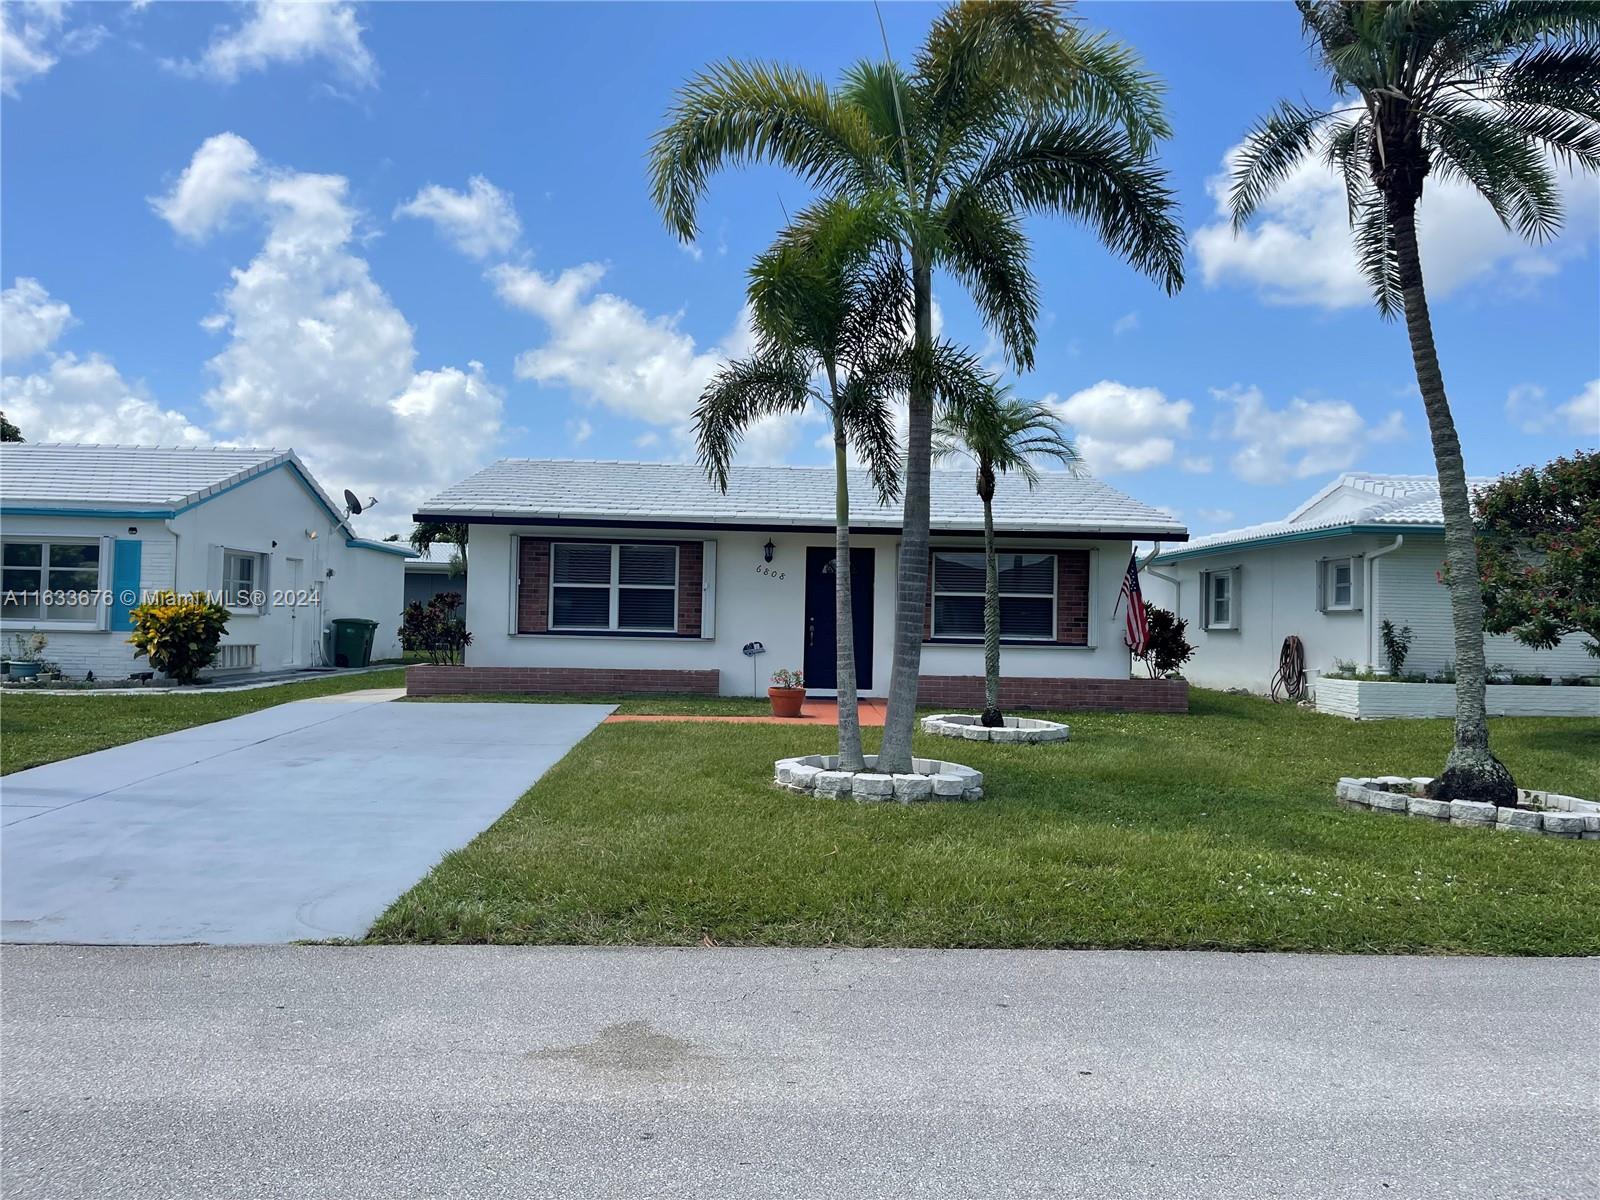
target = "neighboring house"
x: 1364, y: 549
x: 90, y: 531
x: 442, y: 569
x: 616, y: 577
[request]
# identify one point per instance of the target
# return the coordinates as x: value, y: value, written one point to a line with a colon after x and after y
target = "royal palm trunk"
x: 850, y: 758
x: 1471, y: 772
x: 911, y: 591
x: 992, y: 717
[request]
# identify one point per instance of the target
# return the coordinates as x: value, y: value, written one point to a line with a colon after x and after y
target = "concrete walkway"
x: 332, y: 1072
x: 303, y: 821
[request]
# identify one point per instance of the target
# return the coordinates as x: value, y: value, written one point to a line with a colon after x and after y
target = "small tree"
x: 426, y: 534
x: 179, y: 634
x: 1539, y: 552
x: 436, y: 629
x: 1396, y: 645
x: 8, y: 431
x: 1167, y: 648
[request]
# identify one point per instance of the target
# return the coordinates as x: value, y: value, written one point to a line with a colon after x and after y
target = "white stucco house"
x: 89, y: 531
x: 1363, y: 549
x: 608, y: 577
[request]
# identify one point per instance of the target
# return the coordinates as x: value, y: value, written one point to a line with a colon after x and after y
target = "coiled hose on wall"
x: 1290, y: 680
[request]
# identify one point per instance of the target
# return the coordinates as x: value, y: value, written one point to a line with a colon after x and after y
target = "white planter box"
x: 1366, y: 701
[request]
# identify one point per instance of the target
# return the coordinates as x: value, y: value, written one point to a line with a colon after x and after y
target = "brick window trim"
x: 533, y: 559
x: 1072, y: 599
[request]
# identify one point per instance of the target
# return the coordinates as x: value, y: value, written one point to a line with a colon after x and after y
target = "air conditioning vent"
x: 235, y: 658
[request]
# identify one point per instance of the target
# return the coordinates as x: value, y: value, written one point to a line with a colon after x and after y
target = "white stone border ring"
x: 1015, y: 729
x: 929, y: 779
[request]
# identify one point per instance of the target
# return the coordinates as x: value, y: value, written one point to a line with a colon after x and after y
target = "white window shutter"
x: 1358, y: 565
x: 708, y: 589
x: 1235, y: 600
x: 264, y: 584
x: 1205, y: 599
x: 1322, y: 585
x: 213, y: 568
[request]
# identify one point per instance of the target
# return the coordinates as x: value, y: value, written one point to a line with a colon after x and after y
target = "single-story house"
x: 441, y: 569
x: 630, y: 577
x: 1363, y: 549
x: 90, y: 531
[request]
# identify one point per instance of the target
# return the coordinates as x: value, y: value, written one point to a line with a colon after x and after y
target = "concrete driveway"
x: 300, y: 821
x: 333, y: 1072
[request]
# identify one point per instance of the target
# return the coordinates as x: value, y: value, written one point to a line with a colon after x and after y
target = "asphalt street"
x: 327, y: 1072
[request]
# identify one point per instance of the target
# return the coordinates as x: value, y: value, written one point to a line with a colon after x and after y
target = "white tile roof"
x: 1408, y: 501
x: 626, y: 493
x: 69, y: 475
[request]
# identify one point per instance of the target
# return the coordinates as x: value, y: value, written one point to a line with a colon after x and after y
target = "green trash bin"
x: 352, y: 641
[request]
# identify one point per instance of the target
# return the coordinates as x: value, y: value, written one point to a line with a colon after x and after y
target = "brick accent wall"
x: 427, y: 680
x: 533, y: 588
x: 691, y: 574
x: 1072, y: 597
x: 964, y: 693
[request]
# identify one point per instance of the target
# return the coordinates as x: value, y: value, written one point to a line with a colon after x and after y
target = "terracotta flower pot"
x: 786, y: 702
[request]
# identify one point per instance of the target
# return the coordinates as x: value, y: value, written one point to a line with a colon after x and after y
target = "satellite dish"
x: 352, y: 506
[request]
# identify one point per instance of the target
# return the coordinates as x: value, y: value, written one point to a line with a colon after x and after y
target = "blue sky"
x: 259, y: 223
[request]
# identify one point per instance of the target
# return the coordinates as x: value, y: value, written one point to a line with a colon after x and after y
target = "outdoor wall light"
x: 768, y: 549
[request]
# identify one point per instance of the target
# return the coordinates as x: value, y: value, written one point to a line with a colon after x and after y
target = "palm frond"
x: 1504, y: 167
x: 1376, y: 253
x: 739, y: 394
x: 1272, y: 149
x: 735, y: 113
x: 986, y: 249
x: 1092, y: 173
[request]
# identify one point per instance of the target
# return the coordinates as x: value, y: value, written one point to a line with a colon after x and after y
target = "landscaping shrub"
x: 178, y: 634
x: 1396, y: 645
x: 436, y: 629
x: 1168, y: 648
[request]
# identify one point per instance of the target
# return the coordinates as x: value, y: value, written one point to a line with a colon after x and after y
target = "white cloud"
x: 480, y: 222
x: 1298, y: 249
x: 224, y: 174
x: 87, y: 400
x: 30, y: 320
x: 1118, y: 427
x: 318, y: 356
x: 1529, y: 409
x: 579, y: 430
x: 1215, y: 516
x: 1197, y: 464
x: 1307, y: 437
x: 27, y: 32
x: 1126, y: 323
x: 289, y: 31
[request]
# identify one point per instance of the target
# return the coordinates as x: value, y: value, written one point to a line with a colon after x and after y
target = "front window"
x: 1340, y: 584
x: 46, y: 580
x: 1027, y: 595
x: 1220, y: 599
x: 604, y: 586
x: 241, y: 579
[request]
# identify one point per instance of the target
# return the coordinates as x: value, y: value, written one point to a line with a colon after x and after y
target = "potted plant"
x: 787, y: 693
x: 25, y: 658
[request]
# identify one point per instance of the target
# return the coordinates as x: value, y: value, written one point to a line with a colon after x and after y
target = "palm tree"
x: 1473, y: 90
x: 1001, y: 435
x: 427, y: 534
x: 823, y: 304
x: 1008, y: 109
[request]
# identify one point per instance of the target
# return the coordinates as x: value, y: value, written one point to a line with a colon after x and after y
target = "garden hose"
x: 1291, y: 676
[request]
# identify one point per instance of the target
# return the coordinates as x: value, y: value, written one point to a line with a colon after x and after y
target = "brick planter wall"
x: 957, y: 692
x: 583, y: 681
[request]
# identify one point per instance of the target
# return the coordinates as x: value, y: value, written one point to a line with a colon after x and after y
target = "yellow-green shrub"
x: 179, y: 634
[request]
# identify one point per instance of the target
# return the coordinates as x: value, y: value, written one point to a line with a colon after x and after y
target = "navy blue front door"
x: 821, y: 661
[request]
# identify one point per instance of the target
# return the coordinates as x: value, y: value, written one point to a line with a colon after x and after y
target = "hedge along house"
x: 616, y: 577
x: 88, y: 531
x: 1363, y: 549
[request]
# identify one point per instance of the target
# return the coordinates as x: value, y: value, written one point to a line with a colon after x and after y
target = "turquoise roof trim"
x: 1301, y: 535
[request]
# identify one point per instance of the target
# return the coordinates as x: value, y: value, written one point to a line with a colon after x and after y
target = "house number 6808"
x: 762, y: 569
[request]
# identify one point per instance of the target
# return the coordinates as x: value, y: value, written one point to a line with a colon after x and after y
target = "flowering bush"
x: 178, y: 634
x: 785, y: 678
x: 434, y: 629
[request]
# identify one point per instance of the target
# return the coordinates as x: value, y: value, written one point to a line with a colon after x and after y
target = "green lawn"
x: 1215, y: 830
x: 42, y: 729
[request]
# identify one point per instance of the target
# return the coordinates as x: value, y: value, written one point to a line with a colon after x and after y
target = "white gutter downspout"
x: 1371, y: 588
x: 1177, y: 586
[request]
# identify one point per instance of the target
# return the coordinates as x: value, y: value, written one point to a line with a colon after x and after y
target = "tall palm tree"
x: 1479, y: 91
x: 829, y: 315
x: 1002, y: 435
x: 1008, y: 109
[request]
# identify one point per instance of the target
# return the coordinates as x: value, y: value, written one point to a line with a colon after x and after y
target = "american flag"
x: 1137, y: 637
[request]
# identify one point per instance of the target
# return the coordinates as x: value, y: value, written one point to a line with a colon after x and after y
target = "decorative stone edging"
x: 931, y: 779
x: 1015, y: 729
x: 1556, y: 815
